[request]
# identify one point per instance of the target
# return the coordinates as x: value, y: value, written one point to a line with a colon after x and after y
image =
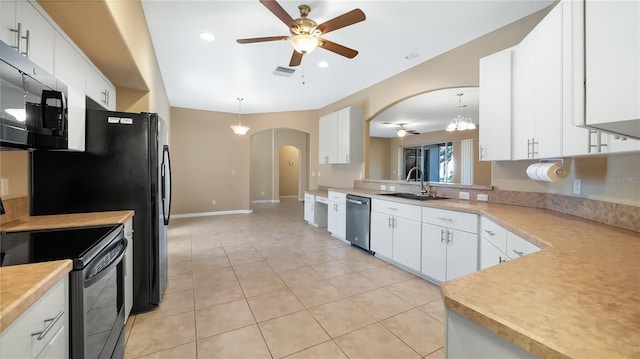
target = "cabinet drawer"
x: 494, y: 233
x: 324, y: 200
x: 338, y: 197
x: 49, y: 312
x: 461, y: 221
x: 518, y: 246
x: 397, y: 209
x: 309, y: 197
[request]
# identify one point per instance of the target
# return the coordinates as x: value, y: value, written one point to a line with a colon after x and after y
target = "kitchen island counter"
x: 576, y: 298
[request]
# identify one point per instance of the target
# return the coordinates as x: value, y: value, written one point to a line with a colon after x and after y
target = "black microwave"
x: 33, y: 105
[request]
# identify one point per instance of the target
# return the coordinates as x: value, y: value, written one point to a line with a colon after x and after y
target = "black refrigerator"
x: 125, y: 166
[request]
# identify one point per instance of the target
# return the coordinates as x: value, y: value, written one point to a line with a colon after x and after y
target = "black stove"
x: 81, y: 244
x: 96, y: 282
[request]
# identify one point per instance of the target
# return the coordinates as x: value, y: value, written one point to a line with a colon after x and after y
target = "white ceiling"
x: 211, y: 75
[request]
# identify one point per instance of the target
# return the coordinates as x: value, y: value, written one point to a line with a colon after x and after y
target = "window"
x: 435, y: 161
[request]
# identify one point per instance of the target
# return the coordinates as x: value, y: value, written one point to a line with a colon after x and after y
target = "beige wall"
x: 206, y: 153
x: 289, y: 168
x: 379, y: 158
x: 14, y: 166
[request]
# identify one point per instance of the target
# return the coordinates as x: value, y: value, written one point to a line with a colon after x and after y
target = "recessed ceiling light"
x: 323, y: 64
x: 207, y: 36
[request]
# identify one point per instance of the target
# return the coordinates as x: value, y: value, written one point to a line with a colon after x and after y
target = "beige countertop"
x: 67, y: 220
x: 22, y: 285
x: 579, y: 297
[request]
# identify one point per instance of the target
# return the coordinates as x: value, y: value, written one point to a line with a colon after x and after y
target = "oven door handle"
x: 104, y: 271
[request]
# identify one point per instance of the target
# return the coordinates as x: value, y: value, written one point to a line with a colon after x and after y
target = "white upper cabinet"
x: 340, y: 137
x: 69, y: 68
x: 537, y: 91
x: 612, y: 66
x: 495, y: 106
x: 99, y: 89
x: 28, y: 31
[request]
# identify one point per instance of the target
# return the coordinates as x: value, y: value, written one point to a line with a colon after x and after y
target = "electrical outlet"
x: 4, y: 184
x: 213, y: 202
x: 313, y: 173
x: 577, y: 186
x: 318, y: 173
x: 360, y: 175
x: 383, y: 187
x: 463, y: 195
x: 392, y: 188
x: 482, y: 197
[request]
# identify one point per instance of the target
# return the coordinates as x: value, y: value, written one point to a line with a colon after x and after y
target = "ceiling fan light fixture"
x: 304, y: 43
x: 401, y: 132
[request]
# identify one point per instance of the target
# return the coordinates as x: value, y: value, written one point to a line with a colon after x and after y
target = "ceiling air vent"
x: 283, y: 71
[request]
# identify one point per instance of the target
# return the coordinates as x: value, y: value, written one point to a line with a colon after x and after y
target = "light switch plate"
x: 482, y: 197
x: 383, y: 187
x: 392, y: 188
x: 4, y: 184
x: 463, y: 195
x: 577, y: 186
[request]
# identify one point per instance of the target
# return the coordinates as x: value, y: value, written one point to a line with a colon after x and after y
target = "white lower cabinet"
x: 337, y: 214
x: 499, y: 245
x: 309, y: 202
x: 449, y: 243
x: 315, y: 210
x: 128, y: 269
x: 395, y: 232
x: 42, y: 331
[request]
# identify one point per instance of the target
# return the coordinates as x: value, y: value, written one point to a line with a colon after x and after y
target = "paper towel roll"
x: 546, y: 171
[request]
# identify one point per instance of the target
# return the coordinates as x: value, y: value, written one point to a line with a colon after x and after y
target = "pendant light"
x: 239, y: 129
x: 460, y: 123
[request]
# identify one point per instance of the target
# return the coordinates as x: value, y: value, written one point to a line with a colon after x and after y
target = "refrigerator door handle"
x: 166, y: 189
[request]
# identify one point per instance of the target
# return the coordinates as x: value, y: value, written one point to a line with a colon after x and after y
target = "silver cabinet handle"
x: 445, y: 219
x: 389, y: 222
x: 518, y: 253
x: 449, y: 235
x: 442, y: 236
x: 27, y: 44
x: 500, y: 260
x: 18, y: 32
x: 490, y: 232
x: 481, y: 152
x: 51, y: 322
x: 395, y: 222
x: 347, y: 158
x: 534, y: 149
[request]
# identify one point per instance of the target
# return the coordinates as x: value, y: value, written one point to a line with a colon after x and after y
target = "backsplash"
x: 613, y: 214
x: 15, y: 208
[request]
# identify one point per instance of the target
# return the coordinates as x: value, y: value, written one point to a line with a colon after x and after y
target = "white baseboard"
x: 265, y: 201
x: 218, y: 213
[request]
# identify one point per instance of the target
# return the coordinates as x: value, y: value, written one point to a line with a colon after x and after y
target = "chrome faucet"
x: 423, y: 191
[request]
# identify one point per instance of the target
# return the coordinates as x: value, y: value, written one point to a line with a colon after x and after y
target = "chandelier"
x: 460, y: 123
x: 239, y: 129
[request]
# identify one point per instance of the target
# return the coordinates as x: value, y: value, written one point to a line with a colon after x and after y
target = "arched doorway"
x: 289, y: 172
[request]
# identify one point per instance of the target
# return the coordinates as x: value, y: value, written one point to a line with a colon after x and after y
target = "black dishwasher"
x: 358, y: 220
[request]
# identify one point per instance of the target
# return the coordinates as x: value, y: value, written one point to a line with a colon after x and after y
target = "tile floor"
x: 268, y: 285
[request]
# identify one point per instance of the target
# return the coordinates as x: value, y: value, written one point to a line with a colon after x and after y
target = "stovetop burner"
x: 53, y: 244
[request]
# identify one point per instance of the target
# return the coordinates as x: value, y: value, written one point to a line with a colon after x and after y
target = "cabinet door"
x: 434, y: 252
x: 548, y: 85
x: 618, y: 144
x: 99, y: 89
x: 523, y: 125
x: 407, y: 242
x: 327, y: 138
x: 612, y: 53
x: 495, y: 106
x: 69, y: 68
x: 40, y: 42
x: 343, y: 134
x: 490, y: 255
x: 341, y: 220
x: 8, y: 22
x: 308, y: 210
x: 462, y: 253
x: 382, y: 234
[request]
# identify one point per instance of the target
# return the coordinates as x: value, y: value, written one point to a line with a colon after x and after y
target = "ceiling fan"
x: 306, y: 33
x: 402, y: 131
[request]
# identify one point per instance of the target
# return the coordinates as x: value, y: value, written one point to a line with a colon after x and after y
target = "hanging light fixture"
x: 239, y: 129
x: 460, y: 123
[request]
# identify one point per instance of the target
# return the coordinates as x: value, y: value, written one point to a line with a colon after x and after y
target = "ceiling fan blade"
x: 261, y: 39
x: 337, y: 48
x: 346, y: 19
x: 278, y: 11
x: 296, y: 59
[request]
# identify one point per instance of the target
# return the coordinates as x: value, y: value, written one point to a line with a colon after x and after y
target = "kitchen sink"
x: 411, y: 196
